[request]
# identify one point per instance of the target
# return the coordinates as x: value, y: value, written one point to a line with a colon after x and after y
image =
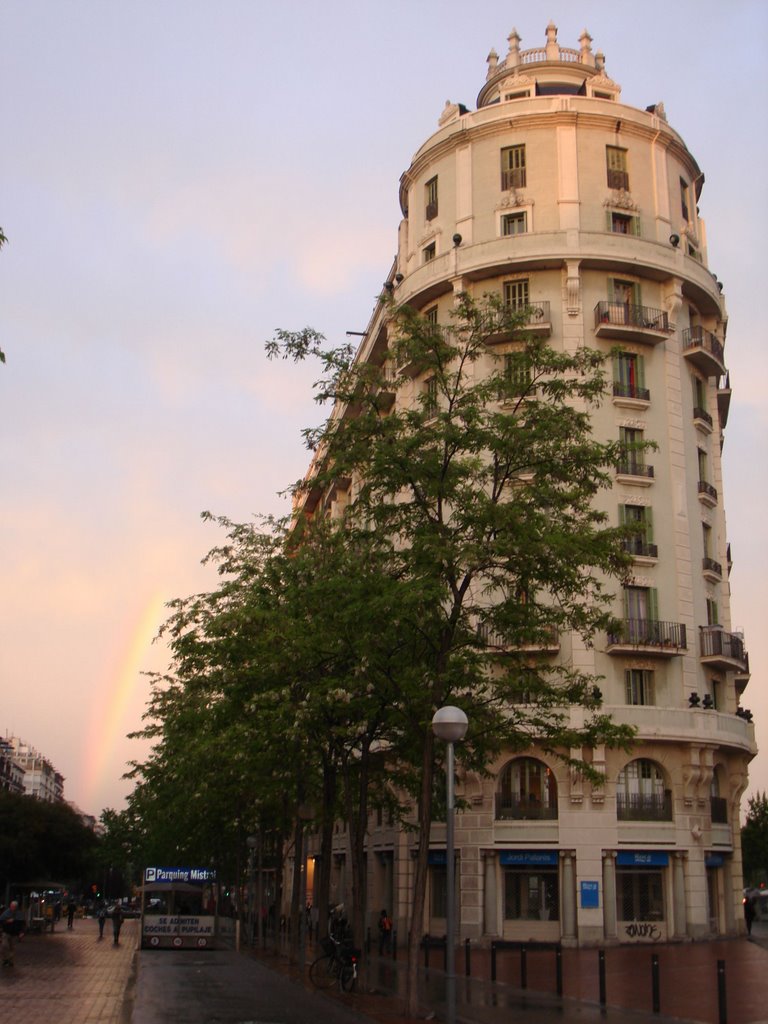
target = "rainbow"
x: 108, y: 726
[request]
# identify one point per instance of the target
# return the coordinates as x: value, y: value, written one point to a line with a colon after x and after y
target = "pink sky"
x: 178, y: 180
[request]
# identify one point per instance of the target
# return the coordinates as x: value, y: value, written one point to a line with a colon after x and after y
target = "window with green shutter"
x: 629, y: 376
x: 622, y: 223
x: 616, y: 166
x: 512, y: 167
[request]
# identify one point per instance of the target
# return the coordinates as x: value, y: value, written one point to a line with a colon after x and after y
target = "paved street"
x: 71, y: 977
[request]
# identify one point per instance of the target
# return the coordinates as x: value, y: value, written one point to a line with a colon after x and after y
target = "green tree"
x: 754, y: 840
x: 480, y: 486
x: 42, y: 841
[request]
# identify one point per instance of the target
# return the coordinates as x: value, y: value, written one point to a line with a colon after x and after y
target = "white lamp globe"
x: 449, y: 724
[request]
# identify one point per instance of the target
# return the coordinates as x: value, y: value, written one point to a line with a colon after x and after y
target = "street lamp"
x: 450, y: 725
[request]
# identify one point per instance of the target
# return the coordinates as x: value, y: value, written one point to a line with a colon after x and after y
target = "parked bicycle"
x: 337, y: 964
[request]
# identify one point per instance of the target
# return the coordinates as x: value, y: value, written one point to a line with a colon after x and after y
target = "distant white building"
x: 40, y: 778
x: 11, y: 772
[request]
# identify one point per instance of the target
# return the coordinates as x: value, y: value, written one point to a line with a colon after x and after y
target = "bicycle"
x: 337, y: 965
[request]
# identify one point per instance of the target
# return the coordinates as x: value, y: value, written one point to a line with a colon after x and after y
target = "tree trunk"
x: 323, y: 876
x: 356, y: 793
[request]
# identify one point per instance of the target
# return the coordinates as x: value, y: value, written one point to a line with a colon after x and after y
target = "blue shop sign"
x: 714, y: 860
x: 642, y: 859
x: 179, y: 875
x: 590, y: 895
x: 528, y: 858
x: 437, y: 857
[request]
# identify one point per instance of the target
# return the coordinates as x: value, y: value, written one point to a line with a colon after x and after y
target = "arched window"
x: 641, y: 794
x: 527, y: 790
x: 717, y: 801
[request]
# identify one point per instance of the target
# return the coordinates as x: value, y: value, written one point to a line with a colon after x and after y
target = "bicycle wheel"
x: 348, y: 976
x: 324, y: 972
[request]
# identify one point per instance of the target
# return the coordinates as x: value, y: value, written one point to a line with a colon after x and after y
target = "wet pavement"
x: 71, y: 977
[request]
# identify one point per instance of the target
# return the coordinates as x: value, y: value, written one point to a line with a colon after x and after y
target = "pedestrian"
x: 101, y: 917
x: 71, y: 908
x: 385, y: 933
x: 12, y: 924
x: 117, y: 923
x: 749, y: 912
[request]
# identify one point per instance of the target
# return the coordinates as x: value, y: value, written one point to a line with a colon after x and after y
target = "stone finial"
x: 553, y: 50
x: 514, y: 42
x: 585, y: 40
x: 493, y: 60
x: 600, y: 60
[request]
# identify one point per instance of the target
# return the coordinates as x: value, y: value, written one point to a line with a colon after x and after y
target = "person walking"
x: 117, y: 923
x: 101, y: 917
x: 12, y: 925
x: 749, y: 912
x: 385, y: 933
x: 71, y: 908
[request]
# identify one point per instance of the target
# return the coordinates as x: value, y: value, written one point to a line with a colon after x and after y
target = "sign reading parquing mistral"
x: 179, y: 875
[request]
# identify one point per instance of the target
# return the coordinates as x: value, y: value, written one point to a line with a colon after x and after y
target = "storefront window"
x: 639, y: 895
x: 531, y: 895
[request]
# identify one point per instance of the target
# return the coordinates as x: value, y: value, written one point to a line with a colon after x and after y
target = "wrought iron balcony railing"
x: 644, y: 806
x: 650, y: 633
x: 521, y: 809
x: 621, y: 390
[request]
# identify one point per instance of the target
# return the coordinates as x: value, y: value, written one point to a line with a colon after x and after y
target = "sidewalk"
x: 688, y: 975
x: 70, y: 977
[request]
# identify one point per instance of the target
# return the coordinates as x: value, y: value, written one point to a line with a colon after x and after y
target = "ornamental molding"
x: 622, y: 200
x: 428, y: 237
x: 514, y: 198
x: 642, y: 581
x: 628, y: 498
x: 632, y: 424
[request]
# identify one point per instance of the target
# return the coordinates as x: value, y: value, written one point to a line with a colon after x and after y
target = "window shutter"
x: 649, y: 526
x: 637, y: 298
x: 635, y: 222
x: 622, y: 515
x: 653, y: 604
x: 626, y: 604
x: 640, y: 371
x: 608, y: 220
x: 617, y: 369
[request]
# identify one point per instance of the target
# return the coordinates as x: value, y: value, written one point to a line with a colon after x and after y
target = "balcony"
x: 707, y: 494
x: 702, y: 420
x: 634, y: 471
x: 631, y: 395
x: 712, y: 570
x: 534, y: 318
x: 723, y: 399
x: 625, y: 321
x: 522, y: 809
x: 644, y: 806
x: 704, y: 350
x: 639, y: 548
x: 547, y: 642
x: 723, y: 651
x: 648, y: 636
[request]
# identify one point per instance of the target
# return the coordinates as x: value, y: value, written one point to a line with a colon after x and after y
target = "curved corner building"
x: 562, y: 199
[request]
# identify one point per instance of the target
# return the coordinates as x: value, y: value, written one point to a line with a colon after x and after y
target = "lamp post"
x: 450, y: 725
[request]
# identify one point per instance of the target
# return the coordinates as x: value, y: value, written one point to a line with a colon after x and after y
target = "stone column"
x: 609, y: 896
x: 730, y: 917
x: 678, y: 891
x: 569, y: 898
x: 490, y: 896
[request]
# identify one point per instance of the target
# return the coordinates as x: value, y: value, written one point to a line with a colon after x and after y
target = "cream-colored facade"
x: 557, y: 196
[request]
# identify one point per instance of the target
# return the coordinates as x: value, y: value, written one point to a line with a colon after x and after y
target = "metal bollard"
x: 601, y: 975
x: 721, y: 1000
x: 466, y: 958
x: 655, y: 983
x: 493, y: 961
x: 394, y: 943
x: 559, y: 971
x: 523, y: 967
